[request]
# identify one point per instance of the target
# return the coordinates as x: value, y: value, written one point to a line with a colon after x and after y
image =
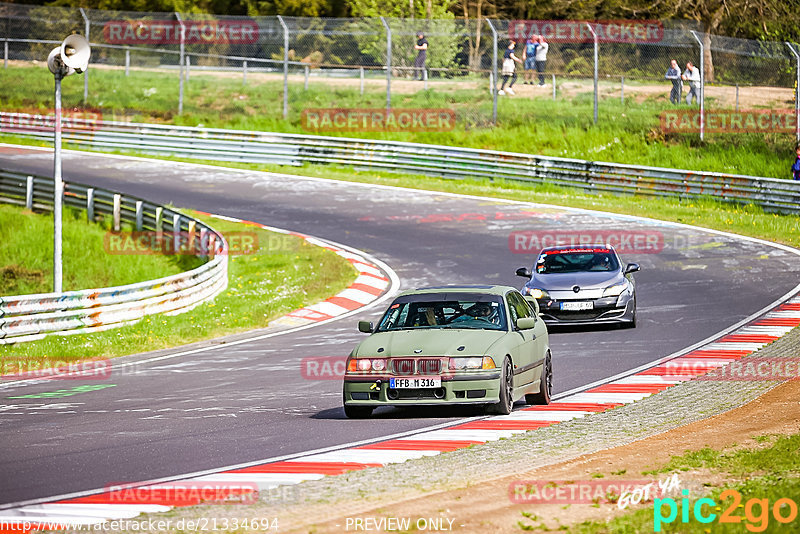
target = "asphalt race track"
x: 249, y: 402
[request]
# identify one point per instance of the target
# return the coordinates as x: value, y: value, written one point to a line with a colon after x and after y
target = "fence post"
x: 188, y: 66
x: 127, y: 61
x: 796, y: 91
x: 494, y: 72
x: 87, y: 29
x: 90, y: 204
x: 425, y: 78
x: 622, y: 91
x: 388, y: 65
x: 305, y: 83
x: 702, y: 86
x: 29, y: 193
x: 285, y: 67
x: 594, y: 38
x: 176, y: 232
x: 158, y: 221
x: 244, y: 72
x: 361, y: 75
x: 5, y: 54
x: 180, y: 62
x: 554, y: 87
x: 737, y: 97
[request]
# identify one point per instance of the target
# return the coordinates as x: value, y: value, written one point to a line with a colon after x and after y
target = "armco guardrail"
x: 449, y: 162
x: 30, y: 317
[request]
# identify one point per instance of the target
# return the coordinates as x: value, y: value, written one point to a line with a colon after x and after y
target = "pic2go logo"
x: 756, y: 511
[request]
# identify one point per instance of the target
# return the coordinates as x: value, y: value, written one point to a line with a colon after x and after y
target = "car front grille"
x: 411, y: 366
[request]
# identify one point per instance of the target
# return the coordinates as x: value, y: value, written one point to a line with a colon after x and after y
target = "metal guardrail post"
x: 139, y: 215
x: 176, y: 232
x: 116, y: 211
x: 285, y: 67
x: 244, y: 72
x: 158, y: 223
x: 361, y: 82
x: 305, y: 81
x: 388, y: 65
x: 29, y: 193
x: 737, y: 97
x: 127, y: 61
x: 87, y: 29
x: 180, y: 62
x: 425, y: 79
x: 622, y: 91
x: 494, y: 71
x: 796, y: 91
x: 554, y: 87
x: 702, y: 85
x: 5, y: 54
x: 90, y: 204
x: 594, y: 38
x: 188, y: 66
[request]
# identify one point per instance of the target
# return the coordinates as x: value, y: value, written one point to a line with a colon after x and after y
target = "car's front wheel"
x: 545, y: 385
x: 357, y: 412
x: 506, y: 403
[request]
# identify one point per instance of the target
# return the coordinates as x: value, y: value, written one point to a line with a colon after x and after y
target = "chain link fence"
x: 172, y: 64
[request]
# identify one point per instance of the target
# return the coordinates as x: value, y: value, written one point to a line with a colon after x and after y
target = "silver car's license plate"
x: 577, y: 306
x: 415, y: 383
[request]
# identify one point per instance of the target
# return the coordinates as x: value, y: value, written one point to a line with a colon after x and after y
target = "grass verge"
x: 627, y: 132
x: 26, y: 255
x: 285, y: 273
x: 757, y: 479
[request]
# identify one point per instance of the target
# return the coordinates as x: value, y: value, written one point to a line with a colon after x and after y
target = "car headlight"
x: 537, y: 293
x: 474, y: 362
x: 616, y: 290
x: 366, y: 365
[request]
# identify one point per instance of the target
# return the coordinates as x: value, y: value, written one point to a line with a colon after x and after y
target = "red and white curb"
x: 235, y: 483
x: 370, y: 284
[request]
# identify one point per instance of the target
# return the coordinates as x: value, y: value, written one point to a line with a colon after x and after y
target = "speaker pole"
x: 58, y: 190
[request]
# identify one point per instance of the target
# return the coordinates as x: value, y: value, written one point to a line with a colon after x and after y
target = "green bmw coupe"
x: 451, y: 345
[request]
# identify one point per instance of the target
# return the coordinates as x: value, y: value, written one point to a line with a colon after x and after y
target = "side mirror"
x: 631, y: 268
x: 365, y: 326
x: 533, y: 302
x: 524, y: 272
x: 526, y: 323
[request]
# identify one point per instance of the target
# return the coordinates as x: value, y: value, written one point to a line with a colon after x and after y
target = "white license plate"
x: 577, y: 306
x: 415, y: 383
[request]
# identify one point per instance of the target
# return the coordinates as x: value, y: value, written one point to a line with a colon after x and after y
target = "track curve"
x: 249, y: 402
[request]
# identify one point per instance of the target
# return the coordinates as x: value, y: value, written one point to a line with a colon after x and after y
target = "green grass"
x: 26, y: 255
x: 285, y: 274
x: 771, y: 472
x: 625, y: 133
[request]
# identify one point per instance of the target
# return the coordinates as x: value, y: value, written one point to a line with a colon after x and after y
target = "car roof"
x: 482, y: 289
x: 582, y: 246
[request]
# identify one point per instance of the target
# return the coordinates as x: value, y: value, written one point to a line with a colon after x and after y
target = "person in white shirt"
x: 541, y: 58
x: 692, y: 75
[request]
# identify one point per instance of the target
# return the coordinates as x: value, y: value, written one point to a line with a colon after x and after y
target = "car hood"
x: 584, y: 279
x: 431, y: 342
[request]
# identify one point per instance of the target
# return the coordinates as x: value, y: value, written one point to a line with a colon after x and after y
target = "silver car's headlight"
x: 615, y: 290
x: 537, y: 293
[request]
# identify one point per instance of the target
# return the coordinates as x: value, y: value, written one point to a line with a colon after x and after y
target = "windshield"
x: 485, y: 312
x: 576, y: 260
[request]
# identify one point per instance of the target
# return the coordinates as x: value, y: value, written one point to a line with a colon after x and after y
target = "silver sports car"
x: 582, y: 284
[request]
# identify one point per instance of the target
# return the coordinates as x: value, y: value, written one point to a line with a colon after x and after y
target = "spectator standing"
x: 692, y: 75
x: 422, y: 56
x: 541, y: 58
x: 529, y: 58
x: 796, y: 166
x: 674, y: 74
x: 508, y: 69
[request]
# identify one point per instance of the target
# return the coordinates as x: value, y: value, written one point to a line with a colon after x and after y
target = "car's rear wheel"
x: 545, y: 385
x: 506, y: 403
x: 357, y: 412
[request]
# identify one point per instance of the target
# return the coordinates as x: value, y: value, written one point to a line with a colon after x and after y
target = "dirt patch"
x: 487, y: 507
x: 11, y: 276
